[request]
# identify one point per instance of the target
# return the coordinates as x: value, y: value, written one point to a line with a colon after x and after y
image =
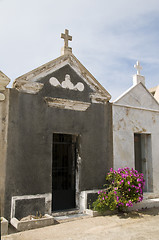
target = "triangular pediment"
x: 4, y: 81
x: 138, y: 96
x: 36, y: 76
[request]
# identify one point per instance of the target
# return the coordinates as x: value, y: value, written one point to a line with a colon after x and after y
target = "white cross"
x: 138, y: 67
x: 66, y: 38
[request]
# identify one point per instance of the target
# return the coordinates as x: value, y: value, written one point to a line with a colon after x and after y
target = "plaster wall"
x: 138, y: 96
x: 126, y: 122
x: 4, y: 106
x: 31, y: 126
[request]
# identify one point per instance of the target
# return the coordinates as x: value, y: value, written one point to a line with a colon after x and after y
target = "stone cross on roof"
x: 66, y: 37
x: 137, y: 78
x: 138, y: 67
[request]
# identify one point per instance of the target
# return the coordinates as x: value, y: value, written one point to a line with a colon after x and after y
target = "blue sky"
x: 108, y: 37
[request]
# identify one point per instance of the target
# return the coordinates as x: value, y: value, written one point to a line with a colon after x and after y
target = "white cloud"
x: 108, y: 37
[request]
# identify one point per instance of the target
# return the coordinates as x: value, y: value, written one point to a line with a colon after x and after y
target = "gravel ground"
x: 142, y: 225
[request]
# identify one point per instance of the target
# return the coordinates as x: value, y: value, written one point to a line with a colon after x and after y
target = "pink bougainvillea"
x: 124, y: 188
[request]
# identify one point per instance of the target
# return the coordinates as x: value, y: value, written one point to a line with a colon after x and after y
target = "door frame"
x: 77, y: 167
x: 146, y: 157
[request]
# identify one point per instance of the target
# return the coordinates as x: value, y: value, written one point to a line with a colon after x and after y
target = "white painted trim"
x: 47, y: 196
x: 83, y: 198
x: 67, y: 104
x: 138, y: 108
x: 54, y: 68
x: 79, y: 72
x: 124, y: 93
x: 129, y: 90
x: 47, y: 72
x: 73, y: 62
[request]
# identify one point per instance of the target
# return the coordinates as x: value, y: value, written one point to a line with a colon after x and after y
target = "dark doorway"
x: 63, y: 172
x: 138, y: 156
x: 143, y: 158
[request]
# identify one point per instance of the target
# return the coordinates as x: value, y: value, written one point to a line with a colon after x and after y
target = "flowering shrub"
x: 124, y: 188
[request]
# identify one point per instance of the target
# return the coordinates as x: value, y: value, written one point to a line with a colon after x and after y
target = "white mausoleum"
x: 136, y: 132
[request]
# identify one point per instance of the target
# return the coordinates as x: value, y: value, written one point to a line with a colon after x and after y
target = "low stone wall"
x: 87, y: 198
x: 4, y: 226
x: 32, y: 224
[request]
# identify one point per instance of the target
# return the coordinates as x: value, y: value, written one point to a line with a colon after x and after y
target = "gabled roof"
x: 42, y: 71
x: 155, y: 92
x: 138, y: 96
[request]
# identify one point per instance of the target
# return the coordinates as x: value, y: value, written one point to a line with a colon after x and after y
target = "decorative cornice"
x: 4, y: 81
x: 67, y: 104
x: 66, y: 59
x: 29, y: 87
x: 98, y: 98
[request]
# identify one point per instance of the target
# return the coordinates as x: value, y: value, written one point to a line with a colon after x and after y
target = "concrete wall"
x: 4, y: 106
x: 126, y: 122
x: 31, y: 126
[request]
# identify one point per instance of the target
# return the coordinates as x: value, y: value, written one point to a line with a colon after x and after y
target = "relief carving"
x: 67, y: 104
x: 28, y: 87
x: 67, y: 84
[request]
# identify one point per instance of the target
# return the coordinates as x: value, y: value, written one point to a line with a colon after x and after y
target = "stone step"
x: 65, y: 212
x: 146, y: 203
x: 68, y: 215
x: 72, y: 217
x: 150, y: 195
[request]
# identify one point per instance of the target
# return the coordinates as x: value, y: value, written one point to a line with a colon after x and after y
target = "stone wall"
x: 126, y: 122
x: 4, y: 107
x: 32, y: 123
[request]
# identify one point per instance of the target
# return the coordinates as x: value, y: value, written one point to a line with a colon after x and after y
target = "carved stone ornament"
x: 66, y: 49
x: 67, y: 84
x: 98, y: 98
x: 4, y: 81
x: 32, y: 88
x: 29, y: 87
x: 2, y: 97
x: 67, y: 104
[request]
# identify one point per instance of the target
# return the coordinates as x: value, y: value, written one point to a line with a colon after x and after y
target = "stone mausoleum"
x: 56, y: 137
x: 136, y: 132
x: 60, y: 135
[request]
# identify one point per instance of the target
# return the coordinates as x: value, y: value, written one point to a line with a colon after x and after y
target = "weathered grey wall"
x: 31, y: 127
x: 136, y: 112
x: 3, y: 145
